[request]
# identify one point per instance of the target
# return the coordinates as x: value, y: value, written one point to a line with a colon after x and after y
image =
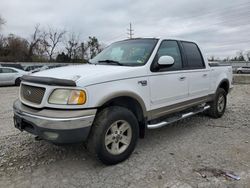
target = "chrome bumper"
x: 60, y: 126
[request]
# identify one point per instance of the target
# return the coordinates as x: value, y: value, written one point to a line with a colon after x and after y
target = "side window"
x: 193, y: 55
x: 170, y: 48
x: 6, y: 70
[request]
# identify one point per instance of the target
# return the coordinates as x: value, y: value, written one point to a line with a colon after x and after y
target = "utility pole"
x: 130, y: 31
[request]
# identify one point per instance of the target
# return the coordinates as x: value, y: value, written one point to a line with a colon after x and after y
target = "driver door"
x: 168, y: 84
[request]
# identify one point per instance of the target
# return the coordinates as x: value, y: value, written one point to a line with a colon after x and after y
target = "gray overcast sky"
x: 221, y: 27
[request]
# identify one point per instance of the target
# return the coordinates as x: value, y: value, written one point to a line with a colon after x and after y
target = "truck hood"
x: 87, y: 74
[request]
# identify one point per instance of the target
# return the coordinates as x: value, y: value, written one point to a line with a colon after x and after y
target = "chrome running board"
x: 179, y: 117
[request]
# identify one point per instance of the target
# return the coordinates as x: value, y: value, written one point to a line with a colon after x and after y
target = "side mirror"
x: 166, y: 60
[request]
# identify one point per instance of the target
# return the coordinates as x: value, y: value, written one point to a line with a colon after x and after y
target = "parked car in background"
x: 11, y: 76
x: 45, y: 67
x: 32, y: 67
x: 243, y: 70
x: 14, y: 65
x: 38, y: 68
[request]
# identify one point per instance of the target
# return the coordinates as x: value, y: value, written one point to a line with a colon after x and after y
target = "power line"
x: 130, y: 31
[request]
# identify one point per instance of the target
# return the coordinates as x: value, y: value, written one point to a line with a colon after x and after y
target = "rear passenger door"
x: 198, y: 74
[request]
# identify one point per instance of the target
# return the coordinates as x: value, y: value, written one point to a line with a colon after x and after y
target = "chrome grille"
x: 32, y: 94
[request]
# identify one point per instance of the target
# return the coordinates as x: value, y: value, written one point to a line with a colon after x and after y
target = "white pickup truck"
x: 131, y: 86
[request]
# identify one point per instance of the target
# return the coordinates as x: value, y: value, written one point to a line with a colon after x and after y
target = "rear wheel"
x: 239, y: 72
x: 17, y: 82
x: 114, y: 135
x: 218, y: 106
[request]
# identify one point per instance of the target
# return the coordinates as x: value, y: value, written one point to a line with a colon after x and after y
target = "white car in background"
x: 11, y: 76
x: 243, y: 70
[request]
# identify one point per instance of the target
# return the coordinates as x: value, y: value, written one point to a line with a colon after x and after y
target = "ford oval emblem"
x: 28, y: 92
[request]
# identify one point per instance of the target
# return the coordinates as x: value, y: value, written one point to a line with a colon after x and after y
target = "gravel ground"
x: 192, y: 153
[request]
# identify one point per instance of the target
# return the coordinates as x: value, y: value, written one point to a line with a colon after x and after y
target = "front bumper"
x: 57, y: 126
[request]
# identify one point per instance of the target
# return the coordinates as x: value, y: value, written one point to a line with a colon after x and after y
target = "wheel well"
x: 224, y: 85
x: 17, y: 80
x: 131, y: 104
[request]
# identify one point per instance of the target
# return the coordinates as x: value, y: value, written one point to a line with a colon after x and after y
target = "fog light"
x: 51, y: 135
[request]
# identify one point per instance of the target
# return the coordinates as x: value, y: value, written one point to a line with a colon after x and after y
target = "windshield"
x: 134, y: 52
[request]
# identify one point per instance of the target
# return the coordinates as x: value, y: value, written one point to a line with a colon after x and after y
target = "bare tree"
x: 2, y: 21
x: 84, y: 51
x: 94, y: 46
x: 72, y: 46
x: 2, y: 41
x: 34, y: 42
x: 211, y: 58
x: 247, y: 55
x: 50, y: 40
x: 2, y: 45
x: 240, y: 55
x: 16, y: 48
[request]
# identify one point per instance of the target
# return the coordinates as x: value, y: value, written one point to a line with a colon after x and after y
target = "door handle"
x: 143, y: 82
x: 182, y: 78
x: 204, y: 75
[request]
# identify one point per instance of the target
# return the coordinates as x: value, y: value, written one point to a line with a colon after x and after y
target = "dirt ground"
x: 196, y: 152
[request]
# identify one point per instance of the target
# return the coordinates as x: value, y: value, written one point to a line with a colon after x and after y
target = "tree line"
x: 45, y: 45
x: 240, y: 56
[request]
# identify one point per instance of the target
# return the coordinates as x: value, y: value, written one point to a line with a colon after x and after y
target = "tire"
x: 17, y: 82
x: 239, y: 72
x: 104, y: 142
x: 218, y: 106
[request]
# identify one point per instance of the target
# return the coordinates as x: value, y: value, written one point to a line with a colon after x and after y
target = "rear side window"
x: 193, y: 55
x: 6, y: 70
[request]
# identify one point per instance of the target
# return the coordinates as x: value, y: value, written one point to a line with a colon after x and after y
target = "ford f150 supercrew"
x: 131, y: 86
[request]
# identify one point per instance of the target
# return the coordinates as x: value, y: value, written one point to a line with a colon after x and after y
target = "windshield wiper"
x: 110, y: 61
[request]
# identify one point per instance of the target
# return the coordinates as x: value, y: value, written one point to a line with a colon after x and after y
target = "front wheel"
x: 17, y: 82
x: 114, y: 135
x: 218, y: 106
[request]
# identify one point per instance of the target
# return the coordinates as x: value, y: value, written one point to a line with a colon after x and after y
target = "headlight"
x: 67, y: 96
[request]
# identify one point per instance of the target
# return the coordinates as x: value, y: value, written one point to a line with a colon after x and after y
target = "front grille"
x: 32, y: 94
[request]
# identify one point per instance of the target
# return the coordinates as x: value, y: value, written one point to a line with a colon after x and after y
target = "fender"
x: 220, y: 78
x: 124, y: 94
x: 223, y: 80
